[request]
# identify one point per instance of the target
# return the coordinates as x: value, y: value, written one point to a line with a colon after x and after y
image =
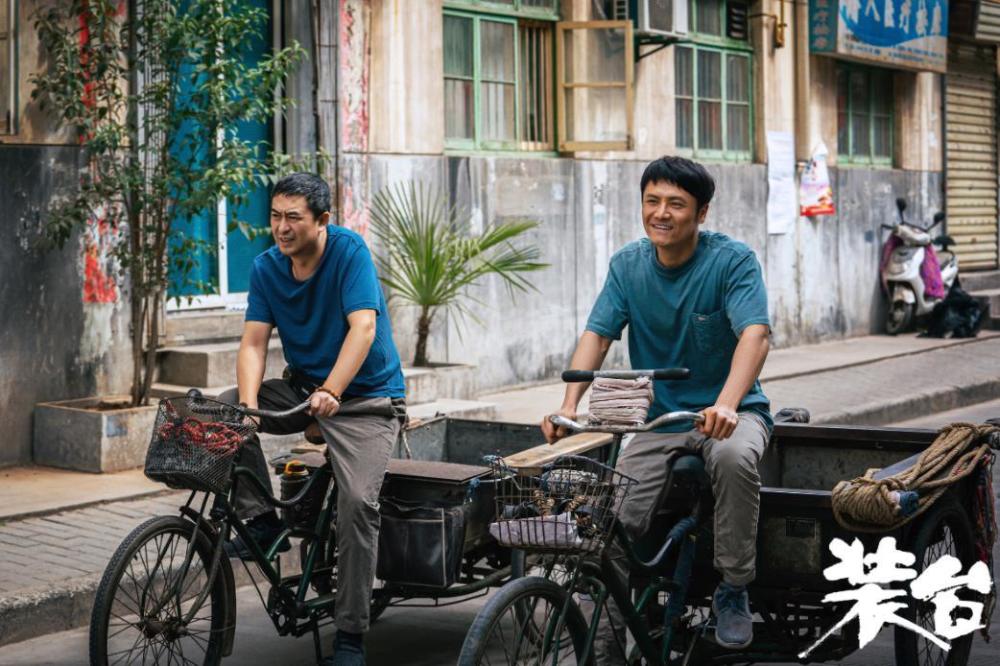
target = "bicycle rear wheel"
x: 146, y: 594
x: 525, y: 624
x: 944, y: 530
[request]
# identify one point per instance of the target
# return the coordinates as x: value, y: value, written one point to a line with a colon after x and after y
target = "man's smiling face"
x: 670, y: 215
x: 293, y: 225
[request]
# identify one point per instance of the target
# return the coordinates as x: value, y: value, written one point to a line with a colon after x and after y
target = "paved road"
x: 433, y: 636
x: 402, y: 636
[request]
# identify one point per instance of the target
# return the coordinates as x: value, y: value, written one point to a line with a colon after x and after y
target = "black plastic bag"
x: 959, y: 315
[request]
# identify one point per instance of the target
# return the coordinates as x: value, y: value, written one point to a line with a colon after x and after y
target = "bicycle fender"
x: 226, y: 571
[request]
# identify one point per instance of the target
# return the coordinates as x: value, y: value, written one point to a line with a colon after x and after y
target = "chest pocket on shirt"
x: 712, y: 334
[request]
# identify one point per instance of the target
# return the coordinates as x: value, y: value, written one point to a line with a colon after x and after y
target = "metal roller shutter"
x: 971, y: 153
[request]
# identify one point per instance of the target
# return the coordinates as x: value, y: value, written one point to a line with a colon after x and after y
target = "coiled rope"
x: 869, y: 505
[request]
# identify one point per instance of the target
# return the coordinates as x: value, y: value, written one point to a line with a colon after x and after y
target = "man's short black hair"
x: 308, y: 185
x: 690, y: 176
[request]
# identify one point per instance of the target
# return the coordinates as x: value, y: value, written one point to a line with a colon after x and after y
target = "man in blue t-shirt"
x: 692, y: 299
x: 319, y: 287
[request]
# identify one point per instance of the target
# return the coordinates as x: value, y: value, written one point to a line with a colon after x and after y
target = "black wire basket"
x: 195, y: 443
x: 571, y: 507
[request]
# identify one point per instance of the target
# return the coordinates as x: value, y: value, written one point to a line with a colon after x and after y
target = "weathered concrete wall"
x: 822, y: 278
x: 53, y: 344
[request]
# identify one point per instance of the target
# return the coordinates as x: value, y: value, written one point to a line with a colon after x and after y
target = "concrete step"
x: 990, y: 298
x: 195, y: 327
x: 163, y: 390
x: 461, y: 409
x: 980, y: 280
x: 212, y: 368
x: 209, y: 364
x: 456, y: 382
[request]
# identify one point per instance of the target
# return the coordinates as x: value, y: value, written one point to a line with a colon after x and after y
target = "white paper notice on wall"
x: 782, y: 201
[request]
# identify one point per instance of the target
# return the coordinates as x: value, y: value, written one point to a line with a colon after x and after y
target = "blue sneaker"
x: 348, y: 650
x: 263, y: 530
x: 733, y: 622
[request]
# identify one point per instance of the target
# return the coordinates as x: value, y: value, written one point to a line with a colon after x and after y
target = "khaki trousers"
x: 361, y: 440
x: 732, y: 467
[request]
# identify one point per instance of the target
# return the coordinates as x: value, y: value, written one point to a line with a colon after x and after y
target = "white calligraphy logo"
x: 873, y: 605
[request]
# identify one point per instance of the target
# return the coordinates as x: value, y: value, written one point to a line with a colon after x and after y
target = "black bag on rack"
x: 420, y: 544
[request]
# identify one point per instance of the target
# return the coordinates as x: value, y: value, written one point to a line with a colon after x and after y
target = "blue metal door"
x: 221, y: 275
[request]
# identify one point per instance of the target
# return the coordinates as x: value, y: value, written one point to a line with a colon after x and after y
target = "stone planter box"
x: 454, y: 381
x: 75, y: 434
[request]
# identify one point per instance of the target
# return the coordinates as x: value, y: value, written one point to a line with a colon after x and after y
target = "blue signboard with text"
x: 911, y: 34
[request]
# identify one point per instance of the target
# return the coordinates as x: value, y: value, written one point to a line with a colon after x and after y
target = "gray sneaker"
x: 734, y: 624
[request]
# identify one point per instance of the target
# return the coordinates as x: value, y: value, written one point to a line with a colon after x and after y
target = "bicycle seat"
x: 313, y: 434
x: 688, y: 478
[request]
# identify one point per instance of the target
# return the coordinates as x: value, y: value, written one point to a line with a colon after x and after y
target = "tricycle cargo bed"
x: 466, y: 441
x: 802, y: 465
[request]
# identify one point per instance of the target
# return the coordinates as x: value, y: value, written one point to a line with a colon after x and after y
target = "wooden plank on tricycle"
x: 530, y: 461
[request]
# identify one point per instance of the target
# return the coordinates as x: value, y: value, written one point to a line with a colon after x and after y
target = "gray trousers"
x: 732, y: 467
x: 360, y: 438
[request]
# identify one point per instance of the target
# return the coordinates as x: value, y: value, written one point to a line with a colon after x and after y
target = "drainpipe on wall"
x: 325, y: 80
x: 802, y: 62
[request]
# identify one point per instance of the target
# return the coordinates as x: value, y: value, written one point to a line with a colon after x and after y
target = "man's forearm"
x: 353, y: 353
x: 589, y: 355
x: 748, y: 359
x: 250, y: 364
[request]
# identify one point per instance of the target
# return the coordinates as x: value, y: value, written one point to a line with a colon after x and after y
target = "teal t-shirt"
x: 690, y: 316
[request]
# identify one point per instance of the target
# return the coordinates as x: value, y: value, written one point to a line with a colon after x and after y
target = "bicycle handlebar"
x: 663, y: 419
x: 194, y: 396
x: 591, y: 375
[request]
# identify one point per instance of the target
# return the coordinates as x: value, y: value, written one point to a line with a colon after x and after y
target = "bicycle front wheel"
x: 143, y: 607
x: 525, y: 623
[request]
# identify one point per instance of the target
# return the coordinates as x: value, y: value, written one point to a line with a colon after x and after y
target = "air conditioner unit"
x: 660, y: 17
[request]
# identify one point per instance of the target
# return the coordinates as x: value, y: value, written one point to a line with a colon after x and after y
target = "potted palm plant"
x: 428, y: 259
x: 154, y: 97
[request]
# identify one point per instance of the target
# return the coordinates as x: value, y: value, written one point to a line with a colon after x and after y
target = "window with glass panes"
x: 498, y: 74
x: 864, y: 115
x: 712, y: 86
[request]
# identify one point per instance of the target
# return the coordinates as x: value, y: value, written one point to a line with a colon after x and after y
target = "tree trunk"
x: 137, y: 337
x: 423, y: 331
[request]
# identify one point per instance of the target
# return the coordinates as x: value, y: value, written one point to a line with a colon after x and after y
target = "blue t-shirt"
x: 690, y: 316
x: 311, y: 315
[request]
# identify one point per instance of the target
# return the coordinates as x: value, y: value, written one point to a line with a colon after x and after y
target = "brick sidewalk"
x: 58, y: 559
x: 37, y: 552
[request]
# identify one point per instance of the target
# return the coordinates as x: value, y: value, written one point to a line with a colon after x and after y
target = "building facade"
x: 549, y: 110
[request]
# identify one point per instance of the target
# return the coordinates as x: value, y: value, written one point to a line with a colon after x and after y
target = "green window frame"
x: 713, y: 88
x: 498, y: 69
x: 542, y: 9
x: 865, y: 125
x: 707, y: 23
x: 713, y: 103
x: 491, y: 92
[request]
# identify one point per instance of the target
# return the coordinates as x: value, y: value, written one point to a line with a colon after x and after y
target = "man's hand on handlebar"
x: 719, y: 423
x: 323, y: 404
x: 554, y: 433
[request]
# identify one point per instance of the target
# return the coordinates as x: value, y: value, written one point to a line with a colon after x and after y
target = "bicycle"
x: 537, y: 620
x: 169, y: 591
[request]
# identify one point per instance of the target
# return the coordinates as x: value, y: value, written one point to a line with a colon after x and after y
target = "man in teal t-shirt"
x: 693, y: 299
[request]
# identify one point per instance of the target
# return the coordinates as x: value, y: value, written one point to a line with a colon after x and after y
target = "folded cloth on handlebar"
x: 620, y: 401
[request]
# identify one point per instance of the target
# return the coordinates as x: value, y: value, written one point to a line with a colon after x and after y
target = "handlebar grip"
x: 590, y: 375
x: 672, y: 373
x: 578, y: 375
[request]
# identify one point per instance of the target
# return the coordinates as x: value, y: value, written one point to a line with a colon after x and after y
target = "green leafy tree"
x: 154, y: 95
x: 430, y: 260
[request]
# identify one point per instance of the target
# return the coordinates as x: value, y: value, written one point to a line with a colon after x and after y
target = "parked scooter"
x: 902, y: 272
